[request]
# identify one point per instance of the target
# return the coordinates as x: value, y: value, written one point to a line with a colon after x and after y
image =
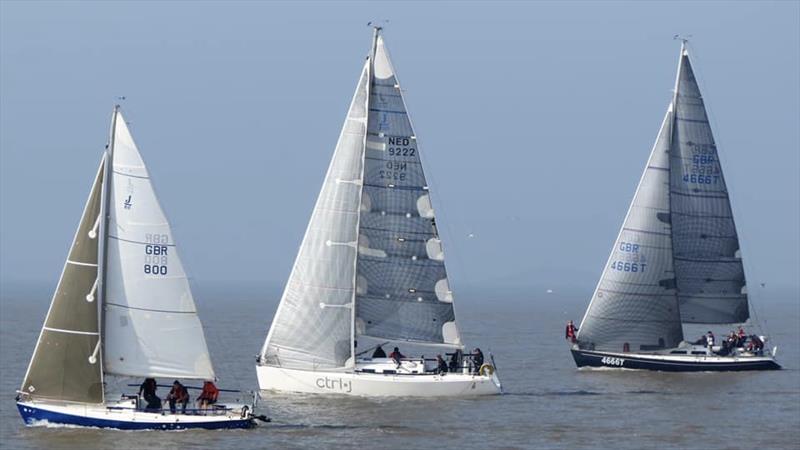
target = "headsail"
x: 635, y: 301
x: 708, y: 263
x: 66, y: 362
x: 313, y: 325
x: 151, y: 326
x: 402, y: 288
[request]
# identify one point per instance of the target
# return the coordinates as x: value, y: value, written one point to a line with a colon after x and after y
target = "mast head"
x: 684, y: 38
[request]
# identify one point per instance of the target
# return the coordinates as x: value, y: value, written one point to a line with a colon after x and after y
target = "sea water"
x: 548, y: 403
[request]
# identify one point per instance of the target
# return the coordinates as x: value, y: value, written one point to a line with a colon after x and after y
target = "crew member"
x: 396, y: 356
x: 147, y: 391
x: 441, y: 365
x: 208, y: 396
x: 571, y: 332
x: 477, y: 359
x: 178, y: 394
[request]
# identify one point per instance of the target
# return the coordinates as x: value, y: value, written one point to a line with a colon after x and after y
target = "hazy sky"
x: 534, y: 120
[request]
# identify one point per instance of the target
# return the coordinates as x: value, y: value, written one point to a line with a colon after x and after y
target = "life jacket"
x: 210, y: 391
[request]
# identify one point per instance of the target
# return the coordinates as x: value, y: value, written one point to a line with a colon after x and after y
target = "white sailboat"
x: 676, y: 260
x: 370, y: 272
x: 122, y: 307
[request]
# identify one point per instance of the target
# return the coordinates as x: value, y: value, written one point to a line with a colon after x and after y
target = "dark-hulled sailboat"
x: 676, y: 259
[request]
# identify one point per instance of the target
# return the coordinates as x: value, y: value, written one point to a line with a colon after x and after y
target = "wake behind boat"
x: 370, y: 272
x: 676, y: 260
x: 123, y: 308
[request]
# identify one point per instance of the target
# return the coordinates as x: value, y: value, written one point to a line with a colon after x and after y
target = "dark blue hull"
x: 587, y: 358
x: 32, y: 415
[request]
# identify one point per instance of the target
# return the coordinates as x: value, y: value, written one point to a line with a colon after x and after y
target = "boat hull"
x: 670, y: 363
x: 100, y: 416
x: 376, y: 384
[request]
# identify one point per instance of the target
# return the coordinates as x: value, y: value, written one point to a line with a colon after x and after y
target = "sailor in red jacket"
x: 571, y: 330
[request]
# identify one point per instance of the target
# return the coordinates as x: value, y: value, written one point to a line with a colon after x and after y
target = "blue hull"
x: 587, y: 358
x: 32, y: 415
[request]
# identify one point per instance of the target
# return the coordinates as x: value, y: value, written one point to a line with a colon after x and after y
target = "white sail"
x: 313, y: 325
x: 635, y: 302
x: 151, y: 327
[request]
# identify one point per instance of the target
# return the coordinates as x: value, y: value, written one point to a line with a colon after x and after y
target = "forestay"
x: 313, y: 325
x: 635, y: 302
x: 708, y: 263
x: 402, y: 288
x: 151, y: 323
x: 66, y: 362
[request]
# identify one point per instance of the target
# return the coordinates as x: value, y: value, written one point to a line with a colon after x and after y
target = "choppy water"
x: 548, y: 403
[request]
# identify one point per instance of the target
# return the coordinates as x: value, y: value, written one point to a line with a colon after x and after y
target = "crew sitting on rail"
x: 178, y: 394
x: 702, y: 341
x: 710, y: 340
x: 477, y: 360
x: 441, y: 365
x: 756, y: 344
x: 455, y: 361
x: 396, y: 356
x: 148, y: 392
x: 379, y: 353
x: 208, y: 396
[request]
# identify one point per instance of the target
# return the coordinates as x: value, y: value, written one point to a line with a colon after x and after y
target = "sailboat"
x: 370, y: 272
x: 676, y: 260
x: 123, y: 308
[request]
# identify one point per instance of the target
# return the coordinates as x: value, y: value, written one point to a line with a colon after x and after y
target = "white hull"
x: 376, y: 384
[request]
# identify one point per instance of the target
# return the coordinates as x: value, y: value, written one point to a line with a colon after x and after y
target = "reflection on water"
x: 548, y: 403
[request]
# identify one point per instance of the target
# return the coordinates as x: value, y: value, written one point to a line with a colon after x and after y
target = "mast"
x: 370, y: 76
x: 105, y: 194
x: 673, y: 112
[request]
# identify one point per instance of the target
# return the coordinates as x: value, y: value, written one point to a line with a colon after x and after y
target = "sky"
x: 534, y: 121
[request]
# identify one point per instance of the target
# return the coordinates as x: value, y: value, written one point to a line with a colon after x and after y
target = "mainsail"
x: 708, y: 264
x: 402, y: 288
x: 371, y: 263
x: 635, y: 302
x: 66, y: 362
x: 151, y: 327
